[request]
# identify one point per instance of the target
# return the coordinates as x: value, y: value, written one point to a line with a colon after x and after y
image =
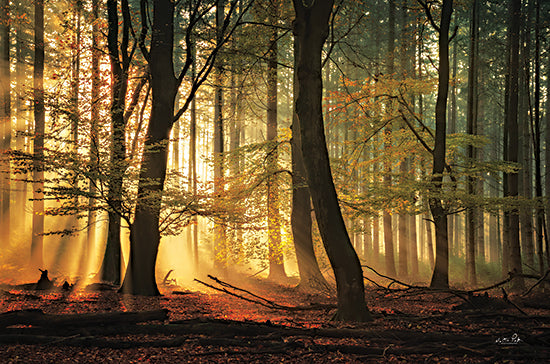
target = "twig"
x: 507, y: 300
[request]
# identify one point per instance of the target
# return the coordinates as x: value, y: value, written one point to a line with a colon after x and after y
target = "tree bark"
x: 311, y: 30
x: 440, y: 277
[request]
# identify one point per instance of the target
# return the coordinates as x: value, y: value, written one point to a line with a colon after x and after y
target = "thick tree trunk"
x: 37, y: 244
x: 440, y: 277
x: 311, y: 30
x: 512, y: 153
x: 144, y: 232
x: 300, y: 218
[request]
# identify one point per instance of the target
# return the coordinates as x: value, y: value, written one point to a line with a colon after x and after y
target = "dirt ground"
x: 209, y: 326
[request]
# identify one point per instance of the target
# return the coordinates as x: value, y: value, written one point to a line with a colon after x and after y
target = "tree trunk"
x: 472, y: 212
x: 440, y: 277
x: 275, y: 253
x: 120, y: 63
x: 386, y: 217
x: 311, y: 30
x: 94, y: 118
x: 537, y: 139
x: 144, y: 232
x: 37, y: 244
x: 5, y: 122
x: 300, y: 218
x: 525, y: 152
x: 220, y: 248
x: 193, y: 159
x: 512, y: 153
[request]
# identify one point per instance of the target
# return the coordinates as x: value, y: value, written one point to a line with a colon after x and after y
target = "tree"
x: 311, y: 30
x: 386, y: 217
x: 511, y: 189
x: 120, y: 58
x: 144, y: 231
x: 472, y: 212
x: 440, y: 276
x: 276, y: 262
x: 37, y: 243
x: 300, y: 218
x: 5, y: 120
x: 220, y: 245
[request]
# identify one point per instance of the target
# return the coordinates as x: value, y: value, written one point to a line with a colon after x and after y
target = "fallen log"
x: 39, y: 318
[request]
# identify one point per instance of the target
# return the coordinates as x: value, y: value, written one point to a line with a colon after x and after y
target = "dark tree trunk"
x: 5, y: 121
x: 94, y: 118
x: 512, y: 128
x: 536, y: 136
x: 525, y: 140
x: 440, y: 277
x: 37, y: 244
x: 311, y: 30
x: 144, y: 232
x: 193, y: 159
x: 300, y: 218
x: 220, y: 244
x: 120, y: 64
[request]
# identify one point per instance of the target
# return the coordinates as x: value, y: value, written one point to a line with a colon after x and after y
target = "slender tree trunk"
x: 440, y: 277
x: 512, y: 127
x: 37, y: 244
x: 311, y: 29
x: 120, y: 63
x: 540, y: 253
x: 94, y: 119
x: 5, y: 122
x: 193, y: 159
x: 525, y: 152
x: 220, y: 244
x: 275, y: 253
x: 471, y: 213
x: 386, y: 217
x: 536, y: 135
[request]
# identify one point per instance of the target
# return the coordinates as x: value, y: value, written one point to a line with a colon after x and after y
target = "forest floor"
x: 204, y: 325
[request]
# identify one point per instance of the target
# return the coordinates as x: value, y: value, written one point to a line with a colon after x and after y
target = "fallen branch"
x: 260, y: 300
x: 537, y: 283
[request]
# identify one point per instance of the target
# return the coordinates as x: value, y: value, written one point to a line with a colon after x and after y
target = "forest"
x: 359, y: 181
